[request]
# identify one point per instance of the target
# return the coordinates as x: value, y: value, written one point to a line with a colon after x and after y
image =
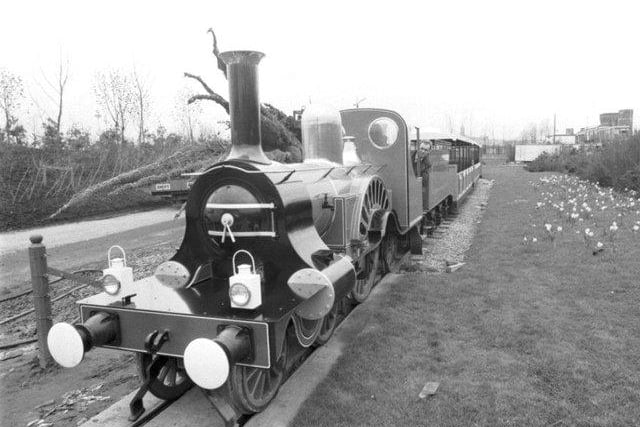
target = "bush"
x: 616, y: 164
x: 36, y: 181
x: 631, y: 179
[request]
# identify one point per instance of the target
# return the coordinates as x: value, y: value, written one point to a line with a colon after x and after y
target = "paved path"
x: 76, y: 244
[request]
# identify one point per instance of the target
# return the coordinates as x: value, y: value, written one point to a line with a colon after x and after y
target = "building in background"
x: 612, y: 126
x: 567, y: 138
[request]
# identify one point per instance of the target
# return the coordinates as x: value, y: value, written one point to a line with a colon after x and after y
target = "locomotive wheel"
x: 252, y: 389
x: 307, y: 330
x: 367, y: 277
x: 172, y: 380
x: 389, y: 250
x: 375, y: 197
x: 329, y: 323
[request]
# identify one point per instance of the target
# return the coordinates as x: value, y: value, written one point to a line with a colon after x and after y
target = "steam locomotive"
x: 271, y: 251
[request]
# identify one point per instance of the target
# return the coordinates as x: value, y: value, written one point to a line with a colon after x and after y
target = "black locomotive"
x: 272, y: 250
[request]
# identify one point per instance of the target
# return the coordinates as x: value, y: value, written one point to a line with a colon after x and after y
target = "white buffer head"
x: 65, y: 345
x: 206, y: 363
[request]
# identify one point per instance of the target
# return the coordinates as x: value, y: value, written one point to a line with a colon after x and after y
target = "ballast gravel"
x: 453, y: 237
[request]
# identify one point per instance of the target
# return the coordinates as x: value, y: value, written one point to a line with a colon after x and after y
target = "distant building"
x: 567, y: 138
x: 612, y: 126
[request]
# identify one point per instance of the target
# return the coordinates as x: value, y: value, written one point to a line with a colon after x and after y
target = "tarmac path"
x: 76, y: 244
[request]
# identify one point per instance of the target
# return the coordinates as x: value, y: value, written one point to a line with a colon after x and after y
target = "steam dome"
x: 322, y: 134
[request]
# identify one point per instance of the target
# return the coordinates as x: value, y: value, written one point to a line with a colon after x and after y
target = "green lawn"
x: 539, y: 334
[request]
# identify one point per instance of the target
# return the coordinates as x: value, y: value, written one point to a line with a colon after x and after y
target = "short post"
x: 41, y: 299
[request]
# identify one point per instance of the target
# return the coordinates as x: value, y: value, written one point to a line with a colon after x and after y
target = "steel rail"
x: 28, y: 291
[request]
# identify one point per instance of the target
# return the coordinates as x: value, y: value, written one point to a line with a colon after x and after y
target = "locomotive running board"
x: 194, y: 325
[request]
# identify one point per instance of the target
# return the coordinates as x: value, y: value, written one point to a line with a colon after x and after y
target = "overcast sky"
x: 493, y: 65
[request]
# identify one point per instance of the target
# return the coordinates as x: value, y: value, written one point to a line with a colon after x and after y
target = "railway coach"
x: 272, y: 251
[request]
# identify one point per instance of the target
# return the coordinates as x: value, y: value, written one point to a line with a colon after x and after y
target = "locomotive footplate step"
x: 136, y: 406
x: 227, y: 412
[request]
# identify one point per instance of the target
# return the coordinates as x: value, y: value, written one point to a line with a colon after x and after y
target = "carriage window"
x: 383, y: 132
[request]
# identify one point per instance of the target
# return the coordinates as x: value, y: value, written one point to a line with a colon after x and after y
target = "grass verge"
x: 537, y: 334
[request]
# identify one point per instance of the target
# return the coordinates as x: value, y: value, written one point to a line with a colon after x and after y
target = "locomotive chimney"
x: 244, y: 105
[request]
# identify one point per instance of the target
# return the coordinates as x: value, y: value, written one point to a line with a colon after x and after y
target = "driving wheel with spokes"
x: 375, y: 197
x: 253, y: 388
x: 171, y: 381
x: 367, y: 276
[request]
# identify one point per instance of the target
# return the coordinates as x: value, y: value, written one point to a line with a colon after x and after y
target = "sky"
x: 492, y: 66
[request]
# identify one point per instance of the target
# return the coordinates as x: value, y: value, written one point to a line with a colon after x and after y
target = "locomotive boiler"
x: 271, y: 250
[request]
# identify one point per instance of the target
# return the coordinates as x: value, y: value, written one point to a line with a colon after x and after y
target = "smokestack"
x: 244, y: 105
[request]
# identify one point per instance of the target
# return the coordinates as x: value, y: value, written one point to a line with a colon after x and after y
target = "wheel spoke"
x: 170, y: 381
x: 163, y: 373
x: 259, y: 386
x: 171, y: 377
x: 253, y: 386
x: 252, y: 377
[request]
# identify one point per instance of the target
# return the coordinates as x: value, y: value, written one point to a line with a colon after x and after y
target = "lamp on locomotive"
x: 117, y: 274
x: 245, y: 284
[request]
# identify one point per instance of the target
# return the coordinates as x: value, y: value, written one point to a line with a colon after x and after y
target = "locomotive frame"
x: 322, y: 231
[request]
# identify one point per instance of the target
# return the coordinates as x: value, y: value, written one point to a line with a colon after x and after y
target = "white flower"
x: 613, y: 227
x: 534, y: 240
x: 599, y: 245
x: 548, y: 227
x: 636, y: 227
x: 559, y: 229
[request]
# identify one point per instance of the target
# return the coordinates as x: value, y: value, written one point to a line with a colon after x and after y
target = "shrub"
x: 630, y: 179
x: 616, y: 164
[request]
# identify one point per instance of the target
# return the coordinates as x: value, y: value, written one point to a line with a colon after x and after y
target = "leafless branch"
x: 202, y: 82
x: 221, y: 65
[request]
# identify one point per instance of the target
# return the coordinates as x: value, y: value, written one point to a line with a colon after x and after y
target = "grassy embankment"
x: 542, y: 333
x: 36, y: 182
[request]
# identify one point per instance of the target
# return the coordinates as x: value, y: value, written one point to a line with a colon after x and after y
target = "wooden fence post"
x: 41, y: 299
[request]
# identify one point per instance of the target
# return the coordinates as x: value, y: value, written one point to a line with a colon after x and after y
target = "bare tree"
x: 187, y: 113
x: 11, y: 93
x: 530, y: 133
x: 142, y: 102
x: 54, y: 90
x: 115, y: 95
x: 277, y: 133
x: 544, y: 129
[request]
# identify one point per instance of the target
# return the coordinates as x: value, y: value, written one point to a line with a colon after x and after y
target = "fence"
x: 40, y: 284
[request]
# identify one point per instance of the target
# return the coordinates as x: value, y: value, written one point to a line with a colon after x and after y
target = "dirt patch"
x: 66, y: 396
